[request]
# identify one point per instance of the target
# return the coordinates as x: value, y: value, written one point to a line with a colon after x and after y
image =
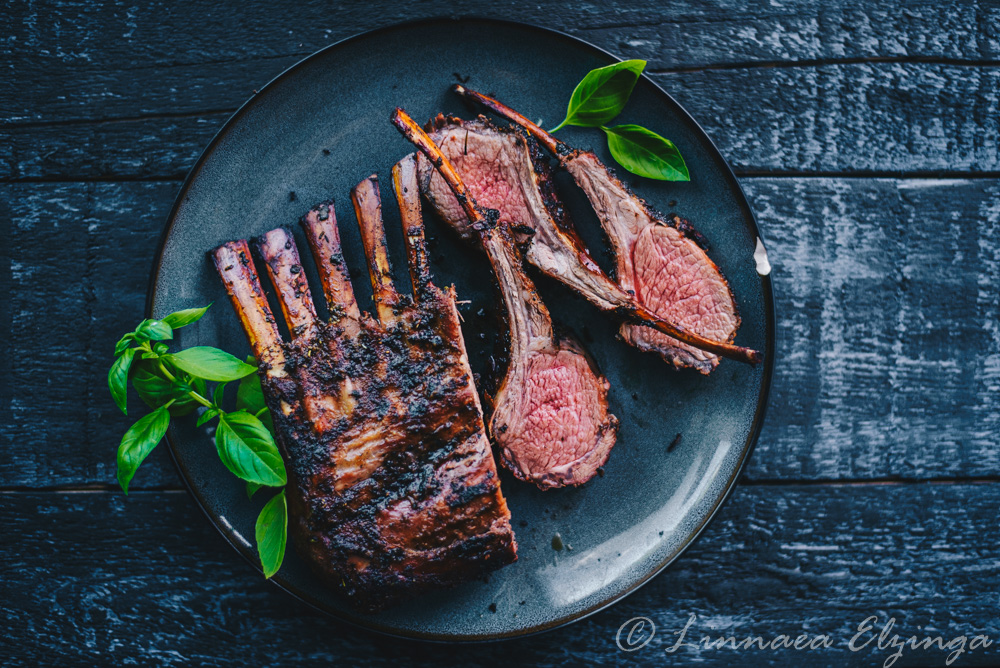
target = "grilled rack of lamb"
x: 674, y: 299
x: 550, y: 417
x: 392, y: 487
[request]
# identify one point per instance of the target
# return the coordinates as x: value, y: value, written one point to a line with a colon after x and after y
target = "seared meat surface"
x: 392, y: 487
x: 661, y: 265
x: 550, y: 417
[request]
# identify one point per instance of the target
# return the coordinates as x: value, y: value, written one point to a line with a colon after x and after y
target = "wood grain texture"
x: 173, y: 593
x: 888, y: 294
x: 85, y: 61
x: 863, y: 117
x: 888, y: 359
x: 96, y: 51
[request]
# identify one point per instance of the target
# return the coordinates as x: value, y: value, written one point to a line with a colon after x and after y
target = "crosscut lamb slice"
x: 550, y: 417
x: 392, y: 486
x: 660, y: 260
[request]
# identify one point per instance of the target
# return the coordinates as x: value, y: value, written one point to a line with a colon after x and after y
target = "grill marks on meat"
x: 550, y: 417
x: 658, y: 260
x: 392, y: 486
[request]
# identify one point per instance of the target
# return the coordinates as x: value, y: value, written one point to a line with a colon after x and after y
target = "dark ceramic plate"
x: 321, y: 127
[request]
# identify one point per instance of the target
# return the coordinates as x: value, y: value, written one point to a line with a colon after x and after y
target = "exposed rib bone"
x: 392, y: 488
x: 284, y: 266
x: 232, y: 261
x: 368, y: 208
x: 404, y: 181
x: 550, y: 419
x: 628, y: 308
x: 320, y: 226
x: 500, y: 109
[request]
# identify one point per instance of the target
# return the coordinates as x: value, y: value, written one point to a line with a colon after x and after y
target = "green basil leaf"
x: 118, y: 378
x: 219, y: 393
x: 154, y: 330
x: 252, y: 488
x: 206, y: 416
x: 247, y: 449
x: 160, y: 348
x: 265, y: 417
x: 179, y: 319
x: 602, y: 94
x: 272, y: 532
x: 646, y: 153
x: 249, y: 395
x: 210, y: 364
x: 138, y: 442
x: 155, y: 390
x: 124, y: 343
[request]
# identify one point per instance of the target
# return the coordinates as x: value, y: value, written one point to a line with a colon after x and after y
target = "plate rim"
x: 767, y: 294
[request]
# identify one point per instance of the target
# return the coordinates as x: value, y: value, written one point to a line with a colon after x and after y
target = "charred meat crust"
x: 550, y: 413
x: 421, y: 399
x: 392, y: 488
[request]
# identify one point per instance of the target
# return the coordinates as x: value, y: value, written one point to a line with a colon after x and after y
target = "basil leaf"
x: 206, y: 416
x: 155, y: 390
x: 154, y: 330
x: 124, y: 343
x: 210, y: 364
x: 138, y: 442
x: 179, y: 319
x: 646, y: 153
x: 249, y: 395
x: 118, y: 378
x: 602, y: 94
x: 252, y: 488
x: 247, y: 449
x: 271, y: 533
x: 219, y: 393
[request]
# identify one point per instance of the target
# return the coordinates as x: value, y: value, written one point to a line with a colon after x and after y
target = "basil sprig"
x: 599, y: 98
x: 173, y: 384
x: 602, y: 94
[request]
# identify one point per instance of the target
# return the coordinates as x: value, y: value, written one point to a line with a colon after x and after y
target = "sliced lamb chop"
x: 392, y: 488
x: 550, y: 416
x: 659, y: 260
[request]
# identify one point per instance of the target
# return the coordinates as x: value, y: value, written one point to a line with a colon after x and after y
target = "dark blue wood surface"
x: 867, y: 136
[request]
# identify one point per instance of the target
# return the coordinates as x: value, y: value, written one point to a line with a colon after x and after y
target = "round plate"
x: 323, y: 126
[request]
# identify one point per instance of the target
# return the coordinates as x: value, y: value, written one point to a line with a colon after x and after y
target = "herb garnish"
x: 599, y: 98
x: 174, y: 384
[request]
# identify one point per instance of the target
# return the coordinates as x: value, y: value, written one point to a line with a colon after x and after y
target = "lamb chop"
x: 661, y: 261
x: 392, y: 488
x: 550, y: 417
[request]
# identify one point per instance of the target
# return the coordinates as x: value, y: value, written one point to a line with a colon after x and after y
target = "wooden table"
x: 867, y: 136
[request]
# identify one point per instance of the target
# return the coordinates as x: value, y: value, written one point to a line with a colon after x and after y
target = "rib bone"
x: 550, y: 416
x: 392, y: 488
x: 404, y: 181
x: 235, y: 267
x: 555, y: 250
x: 368, y: 207
x: 320, y: 226
x: 278, y: 249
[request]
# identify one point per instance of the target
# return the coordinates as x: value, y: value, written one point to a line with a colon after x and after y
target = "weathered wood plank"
x: 80, y: 255
x: 882, y: 117
x: 888, y: 337
x: 82, y: 60
x: 147, y: 581
x: 888, y: 302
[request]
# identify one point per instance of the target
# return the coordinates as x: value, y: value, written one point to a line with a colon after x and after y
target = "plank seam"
x: 823, y: 62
